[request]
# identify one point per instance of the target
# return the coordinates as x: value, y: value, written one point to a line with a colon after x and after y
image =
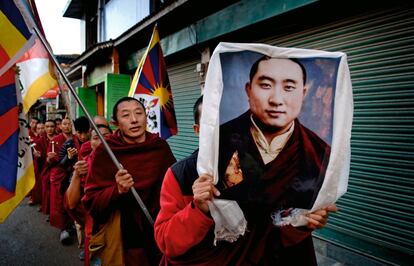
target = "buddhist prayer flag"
x: 152, y: 87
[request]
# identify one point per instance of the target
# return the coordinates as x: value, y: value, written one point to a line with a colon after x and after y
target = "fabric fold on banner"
x: 151, y: 86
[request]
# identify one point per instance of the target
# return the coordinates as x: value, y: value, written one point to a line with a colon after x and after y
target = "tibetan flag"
x: 15, y: 37
x: 152, y: 87
x: 16, y: 164
x: 16, y: 175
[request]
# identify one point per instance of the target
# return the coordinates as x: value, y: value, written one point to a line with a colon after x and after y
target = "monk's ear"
x: 196, y: 128
x: 247, y: 88
x: 305, y: 91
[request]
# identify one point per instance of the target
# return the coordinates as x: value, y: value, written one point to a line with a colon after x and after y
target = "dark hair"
x: 58, y: 119
x: 103, y: 126
x: 196, y: 111
x: 255, y: 66
x: 124, y: 99
x: 35, y: 118
x: 82, y: 124
x: 52, y: 121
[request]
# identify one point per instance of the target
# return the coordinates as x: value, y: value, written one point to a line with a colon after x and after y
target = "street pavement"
x: 27, y: 239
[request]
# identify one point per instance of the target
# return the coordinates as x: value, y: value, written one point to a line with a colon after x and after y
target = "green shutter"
x: 376, y: 215
x: 186, y: 90
x: 88, y: 98
x: 116, y: 87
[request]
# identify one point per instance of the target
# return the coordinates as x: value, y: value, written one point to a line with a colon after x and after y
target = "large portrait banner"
x: 276, y: 128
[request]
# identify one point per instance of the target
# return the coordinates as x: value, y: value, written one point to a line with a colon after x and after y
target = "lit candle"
x: 53, y: 146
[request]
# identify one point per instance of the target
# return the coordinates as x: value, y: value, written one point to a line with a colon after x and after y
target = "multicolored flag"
x: 16, y: 163
x: 36, y: 74
x: 36, y: 70
x: 17, y: 174
x: 16, y: 36
x: 152, y: 87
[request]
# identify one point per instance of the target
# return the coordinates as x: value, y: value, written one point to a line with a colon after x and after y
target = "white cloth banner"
x: 327, y: 111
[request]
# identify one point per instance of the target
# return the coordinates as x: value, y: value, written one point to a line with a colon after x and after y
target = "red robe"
x: 44, y: 174
x: 147, y: 162
x: 58, y: 215
x: 184, y: 234
x: 85, y: 150
x: 38, y: 163
x: 32, y: 134
x: 78, y: 213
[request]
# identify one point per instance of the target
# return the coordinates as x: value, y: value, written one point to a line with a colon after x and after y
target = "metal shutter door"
x: 186, y: 90
x: 378, y: 207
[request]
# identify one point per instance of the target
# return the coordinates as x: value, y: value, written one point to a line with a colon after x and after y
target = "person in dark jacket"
x: 184, y: 229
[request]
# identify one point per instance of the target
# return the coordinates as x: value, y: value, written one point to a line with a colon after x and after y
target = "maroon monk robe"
x: 58, y: 215
x: 147, y: 162
x: 32, y: 134
x: 38, y: 163
x: 85, y: 150
x: 78, y: 213
x: 44, y: 173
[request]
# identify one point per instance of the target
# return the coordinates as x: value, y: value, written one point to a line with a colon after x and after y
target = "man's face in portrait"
x: 276, y: 93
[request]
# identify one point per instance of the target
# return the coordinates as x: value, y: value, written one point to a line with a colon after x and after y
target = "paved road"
x: 27, y: 239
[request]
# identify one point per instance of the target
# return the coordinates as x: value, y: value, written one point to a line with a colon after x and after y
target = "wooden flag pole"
x: 107, y: 148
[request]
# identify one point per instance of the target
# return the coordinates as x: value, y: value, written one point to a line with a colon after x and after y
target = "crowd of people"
x: 81, y: 190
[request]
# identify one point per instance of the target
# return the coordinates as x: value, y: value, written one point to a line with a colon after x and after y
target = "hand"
x: 51, y: 155
x: 319, y: 218
x: 203, y: 191
x: 36, y: 153
x: 72, y: 152
x: 124, y: 181
x: 81, y: 168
